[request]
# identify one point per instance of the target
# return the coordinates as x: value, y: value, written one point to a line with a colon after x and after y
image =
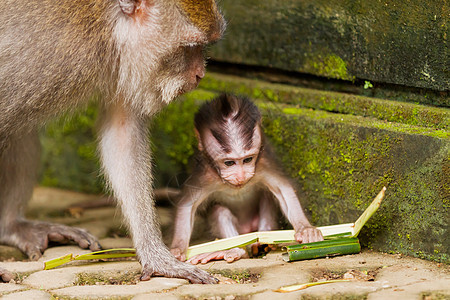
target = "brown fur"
x: 54, y: 55
x: 202, y: 13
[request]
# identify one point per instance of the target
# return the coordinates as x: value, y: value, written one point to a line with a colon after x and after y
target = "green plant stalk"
x: 325, y: 243
x: 286, y: 236
x: 103, y: 254
x: 263, y: 237
x: 50, y: 264
x: 110, y: 253
x: 322, y: 249
x: 368, y: 212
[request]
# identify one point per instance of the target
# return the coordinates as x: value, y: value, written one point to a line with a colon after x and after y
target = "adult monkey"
x: 139, y: 54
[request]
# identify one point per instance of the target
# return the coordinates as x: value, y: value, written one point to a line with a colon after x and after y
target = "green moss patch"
x: 119, y: 278
x: 390, y: 111
x: 331, y: 66
x: 238, y: 276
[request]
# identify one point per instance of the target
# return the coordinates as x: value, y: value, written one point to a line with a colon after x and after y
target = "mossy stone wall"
x: 342, y: 163
x: 339, y: 149
x: 399, y: 42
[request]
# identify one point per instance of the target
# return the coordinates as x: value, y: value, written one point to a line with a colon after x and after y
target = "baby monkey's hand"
x: 308, y: 234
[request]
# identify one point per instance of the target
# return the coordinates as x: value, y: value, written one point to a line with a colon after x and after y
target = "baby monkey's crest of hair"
x: 218, y: 114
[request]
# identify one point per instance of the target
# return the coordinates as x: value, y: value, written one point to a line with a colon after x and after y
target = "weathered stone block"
x: 342, y: 161
x: 400, y: 42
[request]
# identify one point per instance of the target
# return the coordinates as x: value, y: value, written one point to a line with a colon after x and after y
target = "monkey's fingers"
x: 34, y: 251
x: 32, y: 237
x: 309, y: 235
x: 234, y: 254
x: 31, y: 242
x: 318, y: 236
x: 56, y: 237
x: 84, y: 239
x: 180, y: 255
x: 206, y: 257
x: 177, y: 269
x: 227, y: 255
x: 5, y: 276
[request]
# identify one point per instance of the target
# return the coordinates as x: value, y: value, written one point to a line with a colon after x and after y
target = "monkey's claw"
x: 32, y: 237
x: 5, y: 276
x: 177, y: 269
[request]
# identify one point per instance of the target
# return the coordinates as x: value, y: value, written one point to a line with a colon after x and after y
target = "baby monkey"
x: 238, y: 179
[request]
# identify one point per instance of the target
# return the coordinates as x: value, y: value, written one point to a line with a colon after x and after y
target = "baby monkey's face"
x: 236, y: 166
x: 237, y: 171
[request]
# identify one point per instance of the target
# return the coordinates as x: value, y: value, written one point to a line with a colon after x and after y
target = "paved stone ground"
x: 396, y: 277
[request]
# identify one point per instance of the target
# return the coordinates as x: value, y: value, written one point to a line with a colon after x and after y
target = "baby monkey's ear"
x: 199, y: 139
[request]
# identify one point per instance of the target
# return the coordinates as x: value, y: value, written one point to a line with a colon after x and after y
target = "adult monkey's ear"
x: 129, y: 7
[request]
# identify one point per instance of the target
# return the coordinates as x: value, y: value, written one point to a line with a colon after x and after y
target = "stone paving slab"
x: 66, y: 276
x: 155, y: 296
x: 402, y: 277
x: 27, y: 295
x: 398, y: 277
x: 440, y: 288
x: 105, y: 291
x: 7, y: 288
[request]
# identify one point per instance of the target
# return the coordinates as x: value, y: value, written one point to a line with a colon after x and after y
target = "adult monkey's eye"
x: 229, y: 163
x: 248, y: 159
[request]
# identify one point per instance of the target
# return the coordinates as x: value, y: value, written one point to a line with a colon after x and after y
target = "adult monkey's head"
x: 162, y: 43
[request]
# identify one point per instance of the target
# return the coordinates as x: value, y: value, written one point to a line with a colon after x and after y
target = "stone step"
x: 341, y: 149
x: 382, y: 109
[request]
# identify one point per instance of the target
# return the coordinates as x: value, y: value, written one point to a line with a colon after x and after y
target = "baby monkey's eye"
x: 229, y: 163
x: 247, y: 160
